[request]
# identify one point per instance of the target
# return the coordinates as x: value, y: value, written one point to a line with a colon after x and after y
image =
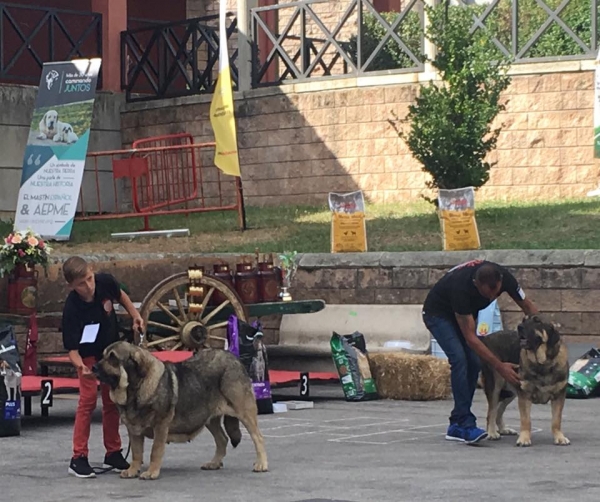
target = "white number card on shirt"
x: 90, y: 332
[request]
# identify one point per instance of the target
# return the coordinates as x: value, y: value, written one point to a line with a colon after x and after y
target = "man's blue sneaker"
x: 469, y: 435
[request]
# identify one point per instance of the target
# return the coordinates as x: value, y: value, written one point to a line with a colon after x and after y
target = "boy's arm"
x: 138, y: 322
x: 78, y: 363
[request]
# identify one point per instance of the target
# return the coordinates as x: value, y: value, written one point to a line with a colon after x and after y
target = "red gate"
x: 157, y: 176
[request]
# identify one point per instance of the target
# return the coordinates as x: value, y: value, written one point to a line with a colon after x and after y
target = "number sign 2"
x: 47, y: 393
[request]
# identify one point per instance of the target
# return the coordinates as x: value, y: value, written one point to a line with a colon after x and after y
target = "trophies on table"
x: 288, y: 267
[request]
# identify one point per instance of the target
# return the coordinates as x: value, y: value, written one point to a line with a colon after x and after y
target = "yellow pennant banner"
x: 222, y: 117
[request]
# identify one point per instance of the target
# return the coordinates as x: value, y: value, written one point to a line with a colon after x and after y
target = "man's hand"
x: 509, y: 372
x: 506, y: 370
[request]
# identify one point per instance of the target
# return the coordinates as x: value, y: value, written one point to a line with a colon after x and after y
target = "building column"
x: 114, y: 21
x: 244, y: 60
x: 430, y: 49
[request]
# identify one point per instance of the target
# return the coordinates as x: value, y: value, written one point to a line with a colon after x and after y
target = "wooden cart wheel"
x: 180, y: 329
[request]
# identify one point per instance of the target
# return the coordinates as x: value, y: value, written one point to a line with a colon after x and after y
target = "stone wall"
x: 563, y: 284
x: 299, y: 142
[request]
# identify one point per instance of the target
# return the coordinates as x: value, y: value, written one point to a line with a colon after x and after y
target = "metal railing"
x: 30, y: 36
x: 157, y: 176
x: 364, y: 41
x: 173, y: 59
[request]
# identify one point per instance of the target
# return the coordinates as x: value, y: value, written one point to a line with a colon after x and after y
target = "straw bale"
x: 411, y: 377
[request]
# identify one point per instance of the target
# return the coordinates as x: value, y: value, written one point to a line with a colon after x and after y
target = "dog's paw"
x: 260, y: 467
x: 211, y: 466
x: 561, y: 440
x: 507, y: 431
x: 524, y: 440
x: 149, y: 474
x: 493, y: 435
x: 130, y: 473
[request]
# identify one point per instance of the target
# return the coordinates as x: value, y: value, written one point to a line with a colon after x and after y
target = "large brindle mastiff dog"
x: 173, y: 402
x: 536, y: 347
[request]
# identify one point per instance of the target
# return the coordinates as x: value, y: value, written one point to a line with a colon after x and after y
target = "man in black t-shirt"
x: 89, y: 325
x: 450, y: 313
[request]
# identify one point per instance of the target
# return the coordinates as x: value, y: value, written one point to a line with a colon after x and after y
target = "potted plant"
x: 21, y: 252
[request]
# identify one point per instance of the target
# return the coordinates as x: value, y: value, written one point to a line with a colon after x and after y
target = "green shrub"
x: 450, y: 130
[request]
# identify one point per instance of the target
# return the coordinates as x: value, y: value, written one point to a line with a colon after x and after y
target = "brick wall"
x: 564, y: 284
x: 299, y: 142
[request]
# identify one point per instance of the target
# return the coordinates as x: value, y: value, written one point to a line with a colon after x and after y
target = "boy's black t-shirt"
x: 455, y: 293
x: 78, y: 313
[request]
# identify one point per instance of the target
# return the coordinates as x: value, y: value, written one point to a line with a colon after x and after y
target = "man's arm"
x: 507, y: 370
x: 527, y: 306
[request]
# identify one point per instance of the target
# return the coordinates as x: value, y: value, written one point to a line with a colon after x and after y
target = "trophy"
x: 288, y: 267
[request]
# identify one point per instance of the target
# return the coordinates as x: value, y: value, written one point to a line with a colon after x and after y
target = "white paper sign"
x: 90, y: 332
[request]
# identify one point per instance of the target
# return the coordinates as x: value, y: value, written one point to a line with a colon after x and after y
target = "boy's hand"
x: 86, y: 372
x: 138, y: 323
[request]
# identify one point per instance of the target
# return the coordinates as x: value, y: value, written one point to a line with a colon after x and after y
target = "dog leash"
x: 104, y: 470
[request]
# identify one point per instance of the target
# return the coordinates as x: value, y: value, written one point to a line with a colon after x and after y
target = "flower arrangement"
x: 23, y: 248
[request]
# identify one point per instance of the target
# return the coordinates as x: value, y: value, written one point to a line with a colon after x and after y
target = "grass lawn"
x: 572, y: 224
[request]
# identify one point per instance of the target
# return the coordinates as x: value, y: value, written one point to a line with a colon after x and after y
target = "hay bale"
x: 410, y: 377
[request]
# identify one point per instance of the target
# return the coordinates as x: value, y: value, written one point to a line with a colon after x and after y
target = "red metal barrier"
x: 158, y: 176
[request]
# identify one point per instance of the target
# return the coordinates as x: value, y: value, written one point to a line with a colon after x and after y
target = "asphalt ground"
x: 338, y: 451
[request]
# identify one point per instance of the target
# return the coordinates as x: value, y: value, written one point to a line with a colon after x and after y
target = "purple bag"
x: 246, y: 343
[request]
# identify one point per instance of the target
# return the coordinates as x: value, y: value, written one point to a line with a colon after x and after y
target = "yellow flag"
x: 222, y: 115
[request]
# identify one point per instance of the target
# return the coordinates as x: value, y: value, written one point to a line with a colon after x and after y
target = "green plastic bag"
x: 584, y: 376
x: 349, y: 354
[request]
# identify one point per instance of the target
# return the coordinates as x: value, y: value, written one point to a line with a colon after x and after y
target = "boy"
x: 89, y: 325
x: 450, y: 312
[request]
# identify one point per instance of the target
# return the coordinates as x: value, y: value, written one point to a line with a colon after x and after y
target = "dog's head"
x: 539, y: 337
x: 50, y: 119
x: 122, y: 364
x: 51, y: 77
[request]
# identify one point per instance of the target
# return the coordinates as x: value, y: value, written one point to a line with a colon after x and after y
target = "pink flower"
x: 41, y: 244
x: 16, y: 239
x: 8, y: 240
x: 21, y: 253
x: 32, y: 241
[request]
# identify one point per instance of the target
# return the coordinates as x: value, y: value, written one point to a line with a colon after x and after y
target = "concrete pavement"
x: 347, y: 452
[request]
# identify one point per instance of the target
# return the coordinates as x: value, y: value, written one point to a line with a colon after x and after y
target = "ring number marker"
x: 304, y: 385
x: 47, y: 393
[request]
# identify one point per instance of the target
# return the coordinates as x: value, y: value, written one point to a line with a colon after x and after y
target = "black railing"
x: 364, y: 41
x: 30, y: 36
x: 285, y: 52
x: 174, y: 59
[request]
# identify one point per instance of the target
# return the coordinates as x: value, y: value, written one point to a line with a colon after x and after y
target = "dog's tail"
x: 232, y: 427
